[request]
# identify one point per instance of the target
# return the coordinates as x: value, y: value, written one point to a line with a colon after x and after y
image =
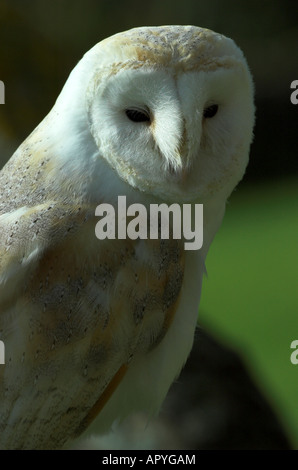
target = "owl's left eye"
x: 137, y: 115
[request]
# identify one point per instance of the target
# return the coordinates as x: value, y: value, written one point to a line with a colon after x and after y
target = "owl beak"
x: 178, y: 159
x: 183, y: 168
x: 184, y: 175
x: 179, y: 172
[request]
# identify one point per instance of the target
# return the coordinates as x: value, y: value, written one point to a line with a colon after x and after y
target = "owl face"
x: 174, y: 121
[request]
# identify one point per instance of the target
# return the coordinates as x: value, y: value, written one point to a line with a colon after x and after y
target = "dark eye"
x: 210, y: 111
x: 136, y: 115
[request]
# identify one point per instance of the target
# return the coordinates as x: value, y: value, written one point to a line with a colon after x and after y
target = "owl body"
x: 94, y: 329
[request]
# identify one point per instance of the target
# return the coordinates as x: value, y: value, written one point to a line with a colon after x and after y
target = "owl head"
x: 170, y: 110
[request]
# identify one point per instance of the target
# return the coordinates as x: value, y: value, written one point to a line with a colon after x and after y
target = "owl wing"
x: 74, y: 314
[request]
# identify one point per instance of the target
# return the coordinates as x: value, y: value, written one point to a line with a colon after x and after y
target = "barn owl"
x: 95, y: 329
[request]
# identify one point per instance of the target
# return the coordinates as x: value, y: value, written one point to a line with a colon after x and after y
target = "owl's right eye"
x: 137, y: 115
x: 210, y: 111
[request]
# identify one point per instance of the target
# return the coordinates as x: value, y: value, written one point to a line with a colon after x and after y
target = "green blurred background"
x: 250, y: 297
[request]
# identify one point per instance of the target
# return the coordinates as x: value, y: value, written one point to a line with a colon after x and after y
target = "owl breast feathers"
x: 96, y: 329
